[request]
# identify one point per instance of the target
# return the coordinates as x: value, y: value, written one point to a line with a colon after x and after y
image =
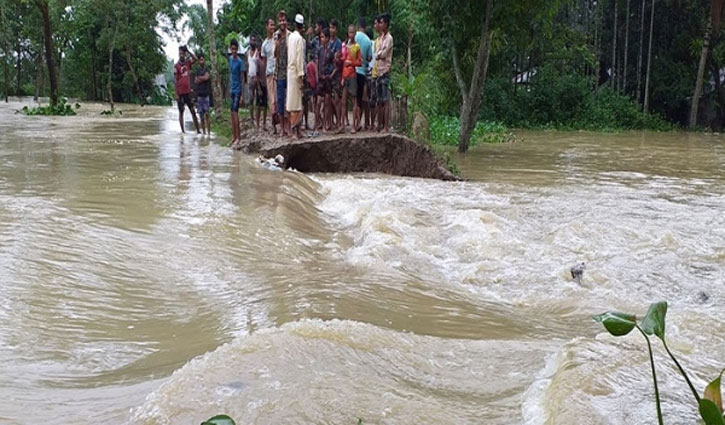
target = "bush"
x: 445, y: 130
x: 161, y: 96
x: 557, y: 100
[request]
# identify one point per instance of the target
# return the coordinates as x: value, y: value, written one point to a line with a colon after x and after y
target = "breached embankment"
x: 352, y: 153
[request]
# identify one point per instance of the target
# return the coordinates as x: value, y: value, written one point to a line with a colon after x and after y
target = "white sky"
x: 172, y: 43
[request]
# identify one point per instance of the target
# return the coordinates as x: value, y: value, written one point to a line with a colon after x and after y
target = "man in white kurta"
x: 295, y: 75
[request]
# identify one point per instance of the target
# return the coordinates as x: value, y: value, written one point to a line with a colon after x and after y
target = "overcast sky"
x: 172, y: 43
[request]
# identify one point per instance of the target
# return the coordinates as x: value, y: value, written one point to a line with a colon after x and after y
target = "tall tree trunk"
x: 614, y: 48
x: 48, y: 41
x: 38, y: 76
x: 7, y: 82
x: 216, y: 83
x: 19, y: 66
x: 472, y: 97
x: 649, y: 59
x: 409, y: 61
x: 135, y: 76
x: 626, y: 50
x: 715, y: 69
x: 700, y: 74
x: 7, y: 57
x: 109, y: 87
x: 641, y: 52
x: 94, y: 81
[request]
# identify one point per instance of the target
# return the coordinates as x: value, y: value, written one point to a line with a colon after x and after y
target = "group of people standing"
x: 293, y: 76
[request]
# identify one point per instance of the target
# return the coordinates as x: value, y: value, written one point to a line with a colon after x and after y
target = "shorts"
x: 383, y: 89
x: 323, y: 88
x: 337, y: 88
x: 184, y: 99
x: 361, y: 82
x: 281, y: 96
x: 351, y: 86
x: 307, y: 94
x: 272, y: 93
x: 373, y: 92
x: 258, y: 93
x: 234, y: 99
x: 202, y: 105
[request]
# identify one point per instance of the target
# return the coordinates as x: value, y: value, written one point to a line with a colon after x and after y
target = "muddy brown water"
x: 149, y: 277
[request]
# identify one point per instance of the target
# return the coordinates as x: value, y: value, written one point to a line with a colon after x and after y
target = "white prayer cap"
x: 300, y: 19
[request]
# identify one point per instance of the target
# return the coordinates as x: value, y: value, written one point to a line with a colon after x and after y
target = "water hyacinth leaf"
x: 712, y: 392
x: 219, y: 420
x: 654, y: 321
x: 710, y: 413
x: 618, y: 324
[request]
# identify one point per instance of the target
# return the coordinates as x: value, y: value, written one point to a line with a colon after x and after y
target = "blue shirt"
x: 236, y: 68
x: 336, y: 45
x: 366, y: 50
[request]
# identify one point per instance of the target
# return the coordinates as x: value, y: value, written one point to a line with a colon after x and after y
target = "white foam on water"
x: 315, y: 371
x: 517, y: 244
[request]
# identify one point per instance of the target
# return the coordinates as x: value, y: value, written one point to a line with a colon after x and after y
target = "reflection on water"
x: 127, y: 250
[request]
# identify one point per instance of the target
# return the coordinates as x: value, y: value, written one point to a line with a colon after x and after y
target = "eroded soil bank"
x: 352, y: 153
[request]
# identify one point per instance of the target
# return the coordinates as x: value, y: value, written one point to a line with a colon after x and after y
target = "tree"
x: 614, y: 48
x: 5, y: 37
x: 216, y: 80
x: 713, y: 23
x: 49, y: 51
x: 649, y: 59
x: 473, y: 93
x: 626, y: 49
x: 640, y: 53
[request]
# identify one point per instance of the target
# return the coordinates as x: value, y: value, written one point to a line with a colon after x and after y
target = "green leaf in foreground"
x: 219, y: 420
x: 654, y: 322
x: 710, y: 413
x: 618, y: 324
x: 712, y: 392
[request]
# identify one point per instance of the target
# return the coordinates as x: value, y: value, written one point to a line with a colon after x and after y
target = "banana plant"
x: 653, y: 323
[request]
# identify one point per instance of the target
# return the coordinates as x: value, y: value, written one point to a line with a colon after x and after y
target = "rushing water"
x: 150, y: 277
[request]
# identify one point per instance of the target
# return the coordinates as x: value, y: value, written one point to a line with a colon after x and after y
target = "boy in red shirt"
x: 182, y: 76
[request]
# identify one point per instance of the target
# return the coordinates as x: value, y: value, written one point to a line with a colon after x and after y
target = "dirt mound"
x: 353, y: 153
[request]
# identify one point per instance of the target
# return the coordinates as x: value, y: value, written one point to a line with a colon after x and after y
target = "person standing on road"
x: 182, y: 77
x: 268, y: 65
x: 202, y: 94
x: 295, y: 75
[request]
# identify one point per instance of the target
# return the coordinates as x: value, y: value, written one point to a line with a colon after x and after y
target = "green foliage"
x: 219, y: 420
x: 618, y: 324
x: 62, y: 108
x: 553, y: 99
x: 161, y: 97
x: 444, y: 130
x: 653, y: 323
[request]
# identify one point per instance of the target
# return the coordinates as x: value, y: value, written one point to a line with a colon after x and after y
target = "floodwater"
x: 149, y: 277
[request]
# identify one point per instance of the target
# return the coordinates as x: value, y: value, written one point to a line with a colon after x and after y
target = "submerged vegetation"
x: 653, y: 323
x: 60, y: 108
